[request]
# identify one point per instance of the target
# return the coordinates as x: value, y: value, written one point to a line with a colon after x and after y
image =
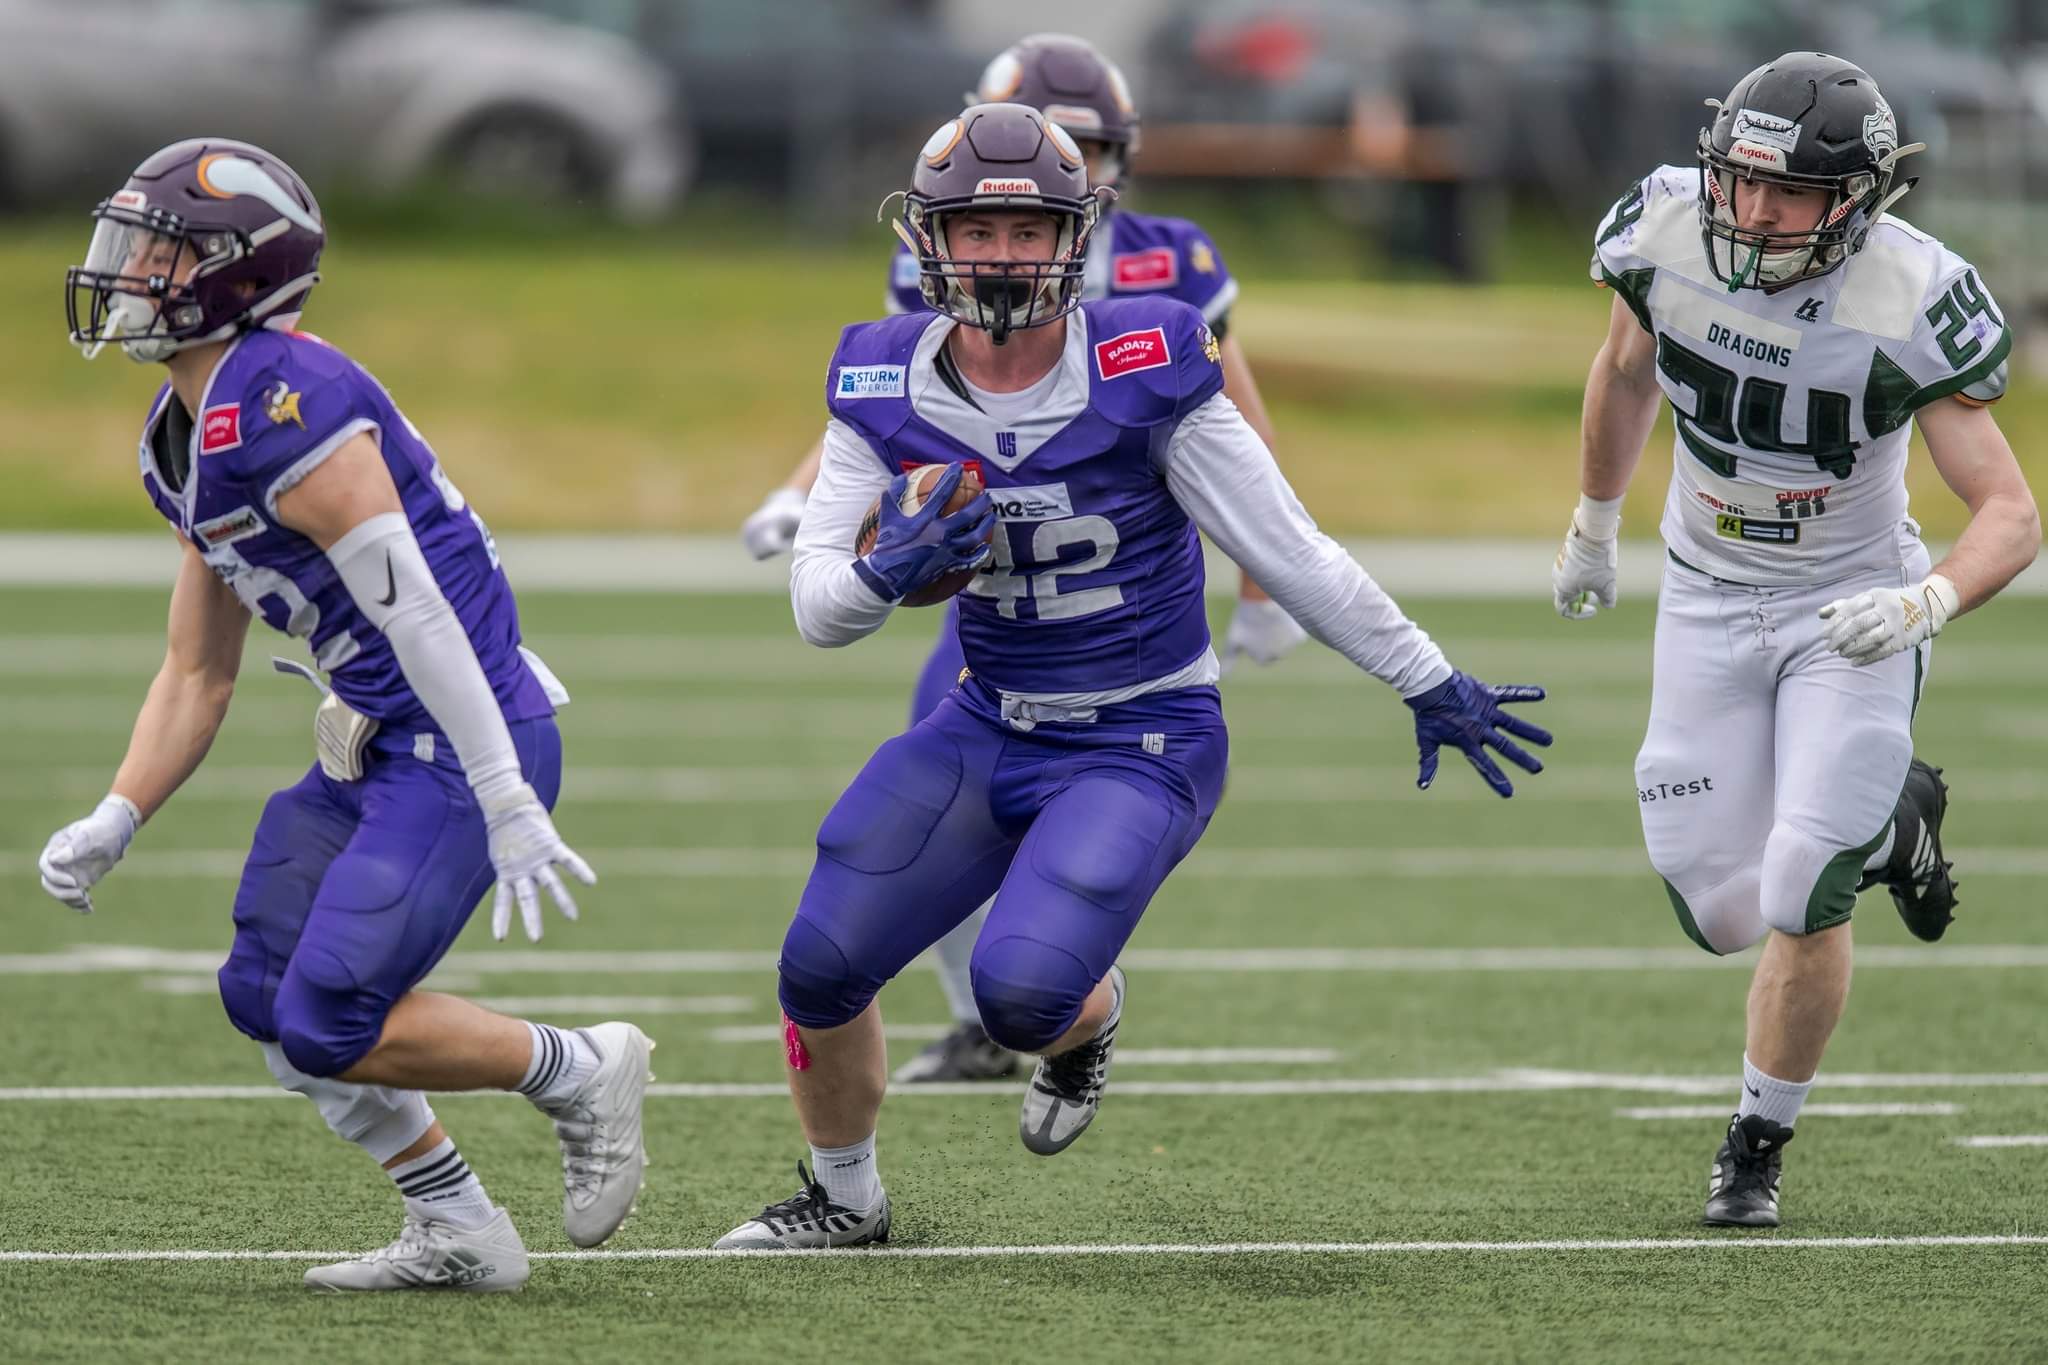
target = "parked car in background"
x: 386, y: 94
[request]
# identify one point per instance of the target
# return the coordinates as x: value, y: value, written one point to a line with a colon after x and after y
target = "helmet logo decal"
x: 1019, y: 185
x: 1001, y: 79
x: 225, y: 176
x: 128, y: 199
x: 1120, y: 89
x: 1062, y: 140
x: 1881, y: 131
x: 1769, y: 158
x: 943, y: 141
x: 1752, y: 125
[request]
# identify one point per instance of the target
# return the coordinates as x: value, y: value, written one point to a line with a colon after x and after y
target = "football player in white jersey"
x: 1799, y: 333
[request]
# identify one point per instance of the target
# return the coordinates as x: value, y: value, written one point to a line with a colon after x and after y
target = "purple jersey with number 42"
x: 1097, y: 579
x: 276, y: 406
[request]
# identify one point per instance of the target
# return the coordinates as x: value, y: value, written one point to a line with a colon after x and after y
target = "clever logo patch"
x: 1131, y: 352
x: 1158, y: 268
x: 229, y: 527
x: 220, y: 428
x: 869, y: 381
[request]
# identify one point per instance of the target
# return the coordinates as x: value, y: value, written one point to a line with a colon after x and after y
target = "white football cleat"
x: 433, y: 1255
x: 1066, y: 1091
x: 603, y: 1162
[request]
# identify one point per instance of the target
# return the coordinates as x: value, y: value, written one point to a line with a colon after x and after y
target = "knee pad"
x: 818, y: 986
x: 1028, y: 993
x: 323, y: 1032
x: 1808, y: 885
x: 376, y: 1118
x: 1724, y: 918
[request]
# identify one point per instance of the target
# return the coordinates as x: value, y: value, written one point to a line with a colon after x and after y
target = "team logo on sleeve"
x: 1212, y: 349
x: 1202, y: 257
x: 220, y: 428
x: 1131, y: 352
x: 869, y: 381
x: 281, y: 405
x: 1154, y: 269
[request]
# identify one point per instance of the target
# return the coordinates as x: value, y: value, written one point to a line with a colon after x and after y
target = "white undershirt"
x: 1216, y: 468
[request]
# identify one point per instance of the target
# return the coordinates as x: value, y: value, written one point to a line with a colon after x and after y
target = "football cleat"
x: 1742, y: 1187
x: 433, y: 1255
x: 603, y: 1161
x: 1916, y: 873
x: 965, y: 1054
x: 808, y: 1221
x: 1066, y: 1091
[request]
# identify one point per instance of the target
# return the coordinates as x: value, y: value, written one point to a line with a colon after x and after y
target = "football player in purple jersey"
x: 1132, y: 254
x: 1082, y: 751
x: 300, y: 494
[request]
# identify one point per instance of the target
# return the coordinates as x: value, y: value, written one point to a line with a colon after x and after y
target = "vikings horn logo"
x: 281, y: 405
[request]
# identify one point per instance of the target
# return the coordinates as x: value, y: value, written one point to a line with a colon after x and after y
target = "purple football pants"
x: 1070, y: 827
x: 354, y: 890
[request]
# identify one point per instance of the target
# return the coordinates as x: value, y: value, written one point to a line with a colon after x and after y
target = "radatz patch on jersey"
x: 229, y: 527
x: 869, y: 381
x: 220, y: 428
x: 1158, y: 268
x: 1131, y: 352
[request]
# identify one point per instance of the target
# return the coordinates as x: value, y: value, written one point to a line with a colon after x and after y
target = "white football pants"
x: 1772, y: 766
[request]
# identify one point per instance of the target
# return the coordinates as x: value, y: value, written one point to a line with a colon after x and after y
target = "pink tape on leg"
x: 799, y: 1056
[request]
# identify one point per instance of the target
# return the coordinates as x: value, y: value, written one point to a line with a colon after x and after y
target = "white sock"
x: 1776, y: 1100
x: 952, y: 955
x: 563, y: 1060
x: 441, y: 1186
x: 1884, y: 850
x: 848, y: 1174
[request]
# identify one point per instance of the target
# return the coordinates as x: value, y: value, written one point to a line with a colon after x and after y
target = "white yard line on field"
x: 1994, y: 1140
x: 1209, y: 863
x: 1508, y: 1081
x: 1835, y: 1111
x: 467, y: 966
x: 1731, y: 1242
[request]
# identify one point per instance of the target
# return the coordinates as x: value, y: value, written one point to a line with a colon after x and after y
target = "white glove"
x: 84, y: 851
x: 772, y: 528
x: 524, y: 851
x: 1876, y: 625
x: 1583, y: 578
x: 1260, y: 630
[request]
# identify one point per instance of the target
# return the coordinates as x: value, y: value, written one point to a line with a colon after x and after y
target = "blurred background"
x: 600, y: 249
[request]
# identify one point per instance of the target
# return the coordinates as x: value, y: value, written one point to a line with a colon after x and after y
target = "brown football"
x: 921, y: 481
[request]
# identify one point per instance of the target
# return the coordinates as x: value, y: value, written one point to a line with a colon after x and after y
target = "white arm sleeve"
x: 381, y: 565
x: 1218, y: 469
x: 833, y: 606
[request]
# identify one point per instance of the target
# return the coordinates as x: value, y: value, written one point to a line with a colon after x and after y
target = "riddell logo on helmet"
x: 1021, y: 185
x: 128, y: 199
x: 1131, y: 352
x: 1771, y: 158
x: 220, y: 428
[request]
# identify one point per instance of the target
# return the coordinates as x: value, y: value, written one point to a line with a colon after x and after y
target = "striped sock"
x: 441, y: 1186
x: 563, y: 1060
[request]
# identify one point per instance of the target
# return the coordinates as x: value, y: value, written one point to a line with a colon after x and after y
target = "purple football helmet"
x: 996, y: 158
x: 1072, y: 84
x: 208, y: 238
